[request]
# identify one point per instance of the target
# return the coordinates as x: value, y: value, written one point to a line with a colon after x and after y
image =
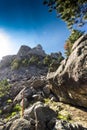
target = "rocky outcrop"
x: 39, y: 117
x: 30, y: 94
x: 23, y: 73
x: 7, y: 60
x: 26, y: 63
x: 23, y: 51
x: 69, y: 82
x: 38, y: 50
x: 26, y: 51
x: 53, y: 124
x: 41, y: 113
x: 56, y: 55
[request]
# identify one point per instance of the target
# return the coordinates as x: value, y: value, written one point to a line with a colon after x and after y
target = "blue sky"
x: 28, y: 22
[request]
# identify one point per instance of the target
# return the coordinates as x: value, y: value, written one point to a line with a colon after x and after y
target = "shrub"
x: 64, y: 117
x: 34, y: 60
x: 9, y: 101
x: 11, y: 115
x: 17, y: 108
x: 47, y: 60
x: 0, y: 111
x: 24, y: 62
x: 4, y: 87
x: 15, y: 64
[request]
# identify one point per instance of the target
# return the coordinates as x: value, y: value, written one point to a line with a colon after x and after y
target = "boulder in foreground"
x: 69, y: 82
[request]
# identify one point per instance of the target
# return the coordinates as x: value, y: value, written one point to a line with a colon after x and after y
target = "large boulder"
x: 38, y: 82
x: 69, y: 82
x: 27, y: 92
x: 41, y: 113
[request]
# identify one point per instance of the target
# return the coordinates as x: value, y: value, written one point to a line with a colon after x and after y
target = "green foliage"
x: 15, y: 64
x: 0, y: 111
x: 34, y: 60
x: 61, y: 113
x: 47, y: 60
x: 52, y: 104
x: 9, y: 101
x: 52, y: 63
x: 64, y: 117
x: 4, y: 87
x: 24, y: 62
x: 75, y: 34
x: 11, y: 115
x: 46, y: 100
x: 73, y: 12
x: 17, y: 108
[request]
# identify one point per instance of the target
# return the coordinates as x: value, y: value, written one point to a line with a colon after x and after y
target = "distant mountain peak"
x: 24, y: 50
x: 39, y: 47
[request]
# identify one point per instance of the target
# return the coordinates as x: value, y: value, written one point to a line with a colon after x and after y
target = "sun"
x: 5, y: 44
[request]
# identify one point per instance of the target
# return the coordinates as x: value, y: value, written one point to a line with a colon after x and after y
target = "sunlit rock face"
x: 69, y: 82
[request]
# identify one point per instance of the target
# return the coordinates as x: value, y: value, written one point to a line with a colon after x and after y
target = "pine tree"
x: 73, y: 12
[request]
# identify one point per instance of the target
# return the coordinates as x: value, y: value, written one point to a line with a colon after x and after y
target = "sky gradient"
x: 28, y: 22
